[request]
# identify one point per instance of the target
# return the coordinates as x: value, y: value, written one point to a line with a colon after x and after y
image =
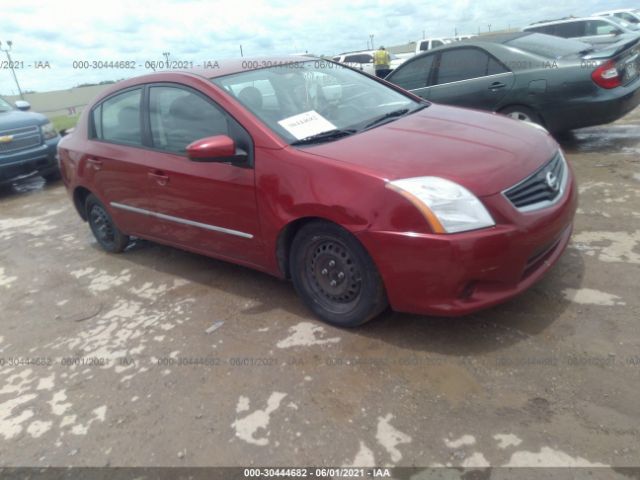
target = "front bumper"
x: 457, y: 274
x: 40, y: 160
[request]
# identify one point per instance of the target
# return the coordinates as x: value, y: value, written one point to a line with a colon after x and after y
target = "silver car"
x: 594, y: 30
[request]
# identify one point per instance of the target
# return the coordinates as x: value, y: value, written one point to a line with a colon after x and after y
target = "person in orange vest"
x: 381, y: 62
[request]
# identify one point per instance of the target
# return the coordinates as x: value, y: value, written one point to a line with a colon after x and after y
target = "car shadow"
x: 520, y: 319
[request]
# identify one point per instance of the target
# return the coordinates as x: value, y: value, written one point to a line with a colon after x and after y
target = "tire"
x: 104, y: 229
x: 335, y: 276
x: 522, y: 113
x: 52, y: 177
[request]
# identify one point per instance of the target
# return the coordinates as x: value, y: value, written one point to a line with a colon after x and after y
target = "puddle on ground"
x: 23, y: 186
x: 606, y: 138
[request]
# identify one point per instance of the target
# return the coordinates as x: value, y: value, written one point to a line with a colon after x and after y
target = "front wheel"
x: 104, y: 229
x: 334, y: 275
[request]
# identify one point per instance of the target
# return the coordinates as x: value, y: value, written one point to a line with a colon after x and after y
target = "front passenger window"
x: 179, y: 117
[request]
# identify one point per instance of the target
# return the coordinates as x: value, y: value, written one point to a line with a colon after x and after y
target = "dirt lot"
x: 115, y: 360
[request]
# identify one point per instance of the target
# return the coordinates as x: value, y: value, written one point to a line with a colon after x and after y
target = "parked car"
x: 558, y: 83
x: 427, y: 44
x: 360, y: 192
x: 28, y: 143
x: 629, y: 15
x: 594, y: 30
x: 364, y: 61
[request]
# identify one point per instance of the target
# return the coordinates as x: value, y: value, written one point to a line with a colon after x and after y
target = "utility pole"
x: 371, y: 37
x: 489, y: 28
x: 6, y: 50
x: 241, y: 51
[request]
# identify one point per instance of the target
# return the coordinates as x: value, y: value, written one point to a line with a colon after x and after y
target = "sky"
x: 53, y: 35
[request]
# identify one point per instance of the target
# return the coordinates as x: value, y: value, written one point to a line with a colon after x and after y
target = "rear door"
x: 469, y: 77
x: 208, y: 207
x: 114, y: 163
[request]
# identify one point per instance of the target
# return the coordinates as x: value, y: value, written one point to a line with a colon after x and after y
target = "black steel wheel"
x: 335, y: 276
x: 104, y: 229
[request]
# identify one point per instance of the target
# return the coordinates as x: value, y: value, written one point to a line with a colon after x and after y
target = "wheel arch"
x: 528, y: 107
x: 80, y: 195
x: 287, y: 234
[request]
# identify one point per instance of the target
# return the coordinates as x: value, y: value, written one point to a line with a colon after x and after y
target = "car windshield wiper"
x: 325, y: 136
x: 395, y: 113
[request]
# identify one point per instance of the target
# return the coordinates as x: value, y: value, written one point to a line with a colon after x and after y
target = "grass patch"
x: 65, y: 121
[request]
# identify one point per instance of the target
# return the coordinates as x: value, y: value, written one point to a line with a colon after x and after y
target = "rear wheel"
x: 522, y: 113
x: 104, y: 229
x: 334, y: 275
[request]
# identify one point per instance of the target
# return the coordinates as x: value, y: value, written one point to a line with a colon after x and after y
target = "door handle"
x: 160, y: 177
x: 94, y: 163
x: 496, y: 85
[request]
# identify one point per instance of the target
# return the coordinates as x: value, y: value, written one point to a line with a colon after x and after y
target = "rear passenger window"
x: 570, y: 29
x: 117, y: 119
x: 179, y: 117
x: 462, y: 64
x: 414, y: 74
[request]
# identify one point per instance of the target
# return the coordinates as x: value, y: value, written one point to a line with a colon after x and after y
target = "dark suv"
x: 28, y: 143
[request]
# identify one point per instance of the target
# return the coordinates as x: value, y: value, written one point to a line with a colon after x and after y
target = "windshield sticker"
x: 306, y: 124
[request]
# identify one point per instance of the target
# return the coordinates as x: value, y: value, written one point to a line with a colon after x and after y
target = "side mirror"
x: 66, y: 131
x: 219, y: 148
x: 23, y: 105
x: 617, y: 32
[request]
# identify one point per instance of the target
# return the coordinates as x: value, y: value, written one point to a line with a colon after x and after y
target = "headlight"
x: 447, y: 206
x: 48, y: 132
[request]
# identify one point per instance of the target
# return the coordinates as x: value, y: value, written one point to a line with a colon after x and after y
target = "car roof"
x: 219, y: 68
x: 619, y: 10
x: 566, y: 20
x: 229, y: 66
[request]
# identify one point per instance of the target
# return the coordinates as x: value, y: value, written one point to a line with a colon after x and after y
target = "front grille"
x: 542, y: 188
x: 19, y: 139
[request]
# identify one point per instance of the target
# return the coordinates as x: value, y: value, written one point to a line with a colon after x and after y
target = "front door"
x: 209, y: 207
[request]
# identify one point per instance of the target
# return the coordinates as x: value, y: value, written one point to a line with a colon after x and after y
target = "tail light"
x: 606, y: 75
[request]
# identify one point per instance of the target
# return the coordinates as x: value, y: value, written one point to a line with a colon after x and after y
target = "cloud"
x: 65, y: 31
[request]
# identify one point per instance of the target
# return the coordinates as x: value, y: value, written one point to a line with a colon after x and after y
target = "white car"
x: 426, y: 44
x: 629, y: 15
x: 363, y: 60
x: 594, y: 30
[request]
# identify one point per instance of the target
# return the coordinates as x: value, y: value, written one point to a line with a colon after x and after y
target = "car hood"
x: 484, y: 152
x: 16, y: 119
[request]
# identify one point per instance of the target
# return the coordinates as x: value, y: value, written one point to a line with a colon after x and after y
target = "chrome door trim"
x: 182, y: 221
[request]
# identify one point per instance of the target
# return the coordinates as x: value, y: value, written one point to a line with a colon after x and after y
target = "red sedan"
x: 361, y: 193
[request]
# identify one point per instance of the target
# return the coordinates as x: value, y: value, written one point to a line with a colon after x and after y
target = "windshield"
x: 548, y: 46
x: 304, y: 99
x: 4, y: 105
